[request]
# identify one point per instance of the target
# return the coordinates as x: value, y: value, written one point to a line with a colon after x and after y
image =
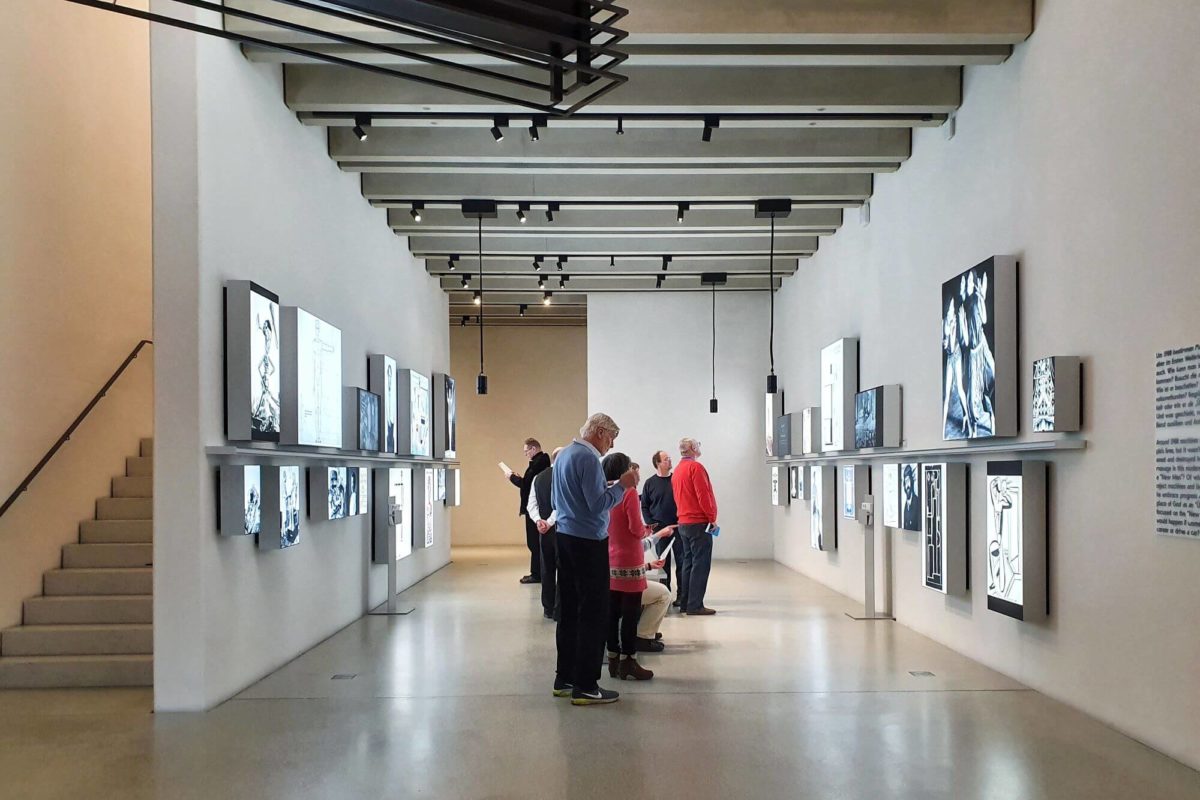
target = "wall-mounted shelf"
x: 315, y: 456
x: 1060, y: 444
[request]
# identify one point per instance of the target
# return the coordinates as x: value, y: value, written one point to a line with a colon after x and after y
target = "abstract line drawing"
x: 451, y: 443
x: 848, y: 496
x: 934, y: 531
x: 891, y: 495
x: 319, y: 381
x: 1005, y: 566
x: 422, y: 444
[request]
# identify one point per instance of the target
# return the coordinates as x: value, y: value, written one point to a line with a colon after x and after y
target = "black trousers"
x: 624, y: 610
x: 549, y: 549
x: 676, y: 556
x: 535, y: 547
x: 583, y: 594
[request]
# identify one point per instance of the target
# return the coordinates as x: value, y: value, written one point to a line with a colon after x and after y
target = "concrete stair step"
x: 89, y: 610
x: 139, y: 466
x: 110, y: 531
x: 146, y: 447
x: 125, y: 508
x: 38, y: 672
x: 103, y: 580
x: 83, y: 556
x: 77, y: 640
x: 133, y: 487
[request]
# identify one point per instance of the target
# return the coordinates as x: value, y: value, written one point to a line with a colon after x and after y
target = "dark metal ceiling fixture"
x: 683, y: 208
x: 479, y: 209
x: 537, y: 263
x: 772, y: 209
x: 713, y: 279
x: 361, y: 123
x: 620, y: 126
x: 556, y: 56
x: 452, y: 263
x: 415, y: 213
x: 550, y: 209
x: 710, y: 123
x: 546, y: 298
x: 521, y: 209
x: 561, y: 260
x: 666, y: 261
x: 498, y: 126
x: 522, y: 309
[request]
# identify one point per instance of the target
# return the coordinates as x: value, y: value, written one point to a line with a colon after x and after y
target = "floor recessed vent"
x: 920, y: 674
x: 344, y: 676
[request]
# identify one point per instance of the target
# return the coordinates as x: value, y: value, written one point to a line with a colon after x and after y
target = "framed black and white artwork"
x: 796, y: 482
x: 773, y: 408
x: 877, y: 417
x: 352, y: 497
x: 312, y: 380
x: 381, y: 379
x: 416, y: 426
x: 783, y: 436
x: 1056, y: 394
x: 810, y: 430
x: 441, y: 485
x: 368, y: 419
x: 454, y: 487
x: 445, y: 417
x: 854, y: 490
x: 979, y: 351
x: 1016, y: 539
x: 392, y: 528
x: 252, y: 363
x: 779, y: 488
x: 839, y: 384
x: 822, y: 482
x: 427, y: 504
x: 910, y: 497
x: 327, y: 492
x: 364, y: 490
x: 891, y: 496
x: 281, y: 508
x: 944, y: 528
x: 241, y: 500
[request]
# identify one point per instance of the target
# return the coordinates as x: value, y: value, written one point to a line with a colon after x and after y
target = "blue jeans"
x: 697, y: 563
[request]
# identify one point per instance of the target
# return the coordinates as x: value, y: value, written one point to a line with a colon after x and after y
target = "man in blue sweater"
x: 582, y: 501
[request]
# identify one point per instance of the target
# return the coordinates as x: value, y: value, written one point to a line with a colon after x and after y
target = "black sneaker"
x: 595, y: 697
x: 649, y: 645
x: 562, y: 688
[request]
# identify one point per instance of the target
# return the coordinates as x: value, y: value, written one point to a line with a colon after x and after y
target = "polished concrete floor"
x: 778, y: 696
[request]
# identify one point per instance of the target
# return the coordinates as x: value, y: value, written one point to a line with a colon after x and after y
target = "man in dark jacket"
x: 541, y: 511
x: 658, y: 509
x: 538, y: 461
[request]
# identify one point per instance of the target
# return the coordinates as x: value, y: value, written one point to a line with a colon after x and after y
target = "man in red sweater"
x: 697, y: 511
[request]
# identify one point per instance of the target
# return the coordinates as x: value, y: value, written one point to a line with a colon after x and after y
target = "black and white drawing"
x: 441, y: 485
x: 849, y: 511
x: 932, y: 491
x: 352, y: 497
x: 1043, y: 394
x: 450, y: 445
x: 796, y: 482
x: 368, y: 420
x: 427, y: 500
x: 252, y: 502
x: 1056, y: 404
x: 891, y: 495
x: 910, y: 497
x: 979, y: 351
x: 422, y: 443
x: 389, y: 405
x: 866, y: 432
x: 816, y: 521
x: 1004, y: 534
x: 336, y: 481
x: 839, y: 383
x: 289, y: 506
x: 400, y: 492
x: 264, y: 360
x: 316, y: 347
x: 772, y: 409
x: 364, y: 490
x: 776, y: 493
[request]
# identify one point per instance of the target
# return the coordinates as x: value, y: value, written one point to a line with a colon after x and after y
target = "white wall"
x: 1078, y: 156
x: 649, y: 368
x: 243, y: 190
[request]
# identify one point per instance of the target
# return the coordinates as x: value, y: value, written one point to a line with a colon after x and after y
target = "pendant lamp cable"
x: 771, y: 289
x: 714, y: 341
x: 481, y: 304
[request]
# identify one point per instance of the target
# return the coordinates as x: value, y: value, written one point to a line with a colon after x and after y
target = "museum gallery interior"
x: 914, y: 282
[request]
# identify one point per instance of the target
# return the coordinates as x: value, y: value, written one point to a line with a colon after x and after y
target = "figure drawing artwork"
x: 389, y: 405
x: 368, y: 420
x: 400, y: 494
x: 289, y: 506
x: 1004, y: 538
x: 252, y: 501
x: 933, y: 487
x: 422, y: 444
x: 264, y: 363
x: 318, y: 381
x: 1043, y: 394
x: 352, y: 498
x: 910, y: 497
x: 815, y: 510
x: 848, y: 496
x: 451, y: 431
x: 867, y: 433
x: 336, y: 481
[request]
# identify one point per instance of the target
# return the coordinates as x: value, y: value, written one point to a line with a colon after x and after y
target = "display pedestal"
x: 392, y: 607
x: 870, y: 611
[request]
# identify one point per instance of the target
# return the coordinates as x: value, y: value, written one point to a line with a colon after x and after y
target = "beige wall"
x: 74, y: 269
x: 537, y: 386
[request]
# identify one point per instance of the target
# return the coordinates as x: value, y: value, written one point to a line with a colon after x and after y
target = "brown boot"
x: 613, y: 666
x: 630, y: 669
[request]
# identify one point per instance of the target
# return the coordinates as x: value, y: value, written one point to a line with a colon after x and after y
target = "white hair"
x: 599, y: 423
x: 686, y: 443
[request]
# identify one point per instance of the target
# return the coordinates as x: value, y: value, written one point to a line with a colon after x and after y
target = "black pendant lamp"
x: 714, y: 279
x: 479, y: 209
x: 772, y: 209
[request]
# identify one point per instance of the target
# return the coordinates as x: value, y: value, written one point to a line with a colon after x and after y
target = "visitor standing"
x: 538, y: 461
x: 541, y: 511
x: 697, y: 509
x: 658, y: 508
x: 582, y: 502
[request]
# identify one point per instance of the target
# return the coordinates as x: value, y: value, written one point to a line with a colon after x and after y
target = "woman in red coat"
x: 627, y: 576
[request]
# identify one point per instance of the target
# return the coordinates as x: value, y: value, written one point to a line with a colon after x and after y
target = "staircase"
x: 92, y: 624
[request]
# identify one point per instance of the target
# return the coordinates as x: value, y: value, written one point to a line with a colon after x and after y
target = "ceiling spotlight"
x: 416, y: 211
x: 546, y: 298
x: 612, y: 261
x: 537, y: 263
x: 620, y: 126
x: 464, y: 322
x: 466, y: 282
x: 521, y: 209
x: 561, y: 260
x: 658, y: 282
x: 497, y: 124
x: 550, y: 209
x: 452, y: 263
x: 683, y: 207
x: 522, y: 309
x: 562, y: 282
x: 533, y: 134
x: 709, y: 124
x: 478, y: 298
x: 361, y: 123
x: 666, y: 260
x: 534, y: 124
x: 541, y: 281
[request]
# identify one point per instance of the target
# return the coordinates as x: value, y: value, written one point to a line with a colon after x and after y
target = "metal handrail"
x: 78, y: 421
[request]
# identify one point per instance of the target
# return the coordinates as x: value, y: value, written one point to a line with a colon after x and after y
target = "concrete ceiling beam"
x: 741, y: 222
x: 604, y: 246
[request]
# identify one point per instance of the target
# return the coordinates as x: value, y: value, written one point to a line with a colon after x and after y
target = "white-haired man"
x: 582, y: 501
x: 697, y: 510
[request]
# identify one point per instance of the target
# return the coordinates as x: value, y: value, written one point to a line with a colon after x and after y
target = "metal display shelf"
x: 948, y: 451
x: 272, y: 453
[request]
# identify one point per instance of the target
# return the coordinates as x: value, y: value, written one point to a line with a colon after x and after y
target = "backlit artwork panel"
x: 264, y: 362
x: 318, y: 381
x: 910, y: 497
x: 891, y: 495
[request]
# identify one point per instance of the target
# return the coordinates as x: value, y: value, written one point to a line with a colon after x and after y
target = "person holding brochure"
x: 658, y: 508
x: 538, y: 461
x: 582, y: 502
x: 697, y: 508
